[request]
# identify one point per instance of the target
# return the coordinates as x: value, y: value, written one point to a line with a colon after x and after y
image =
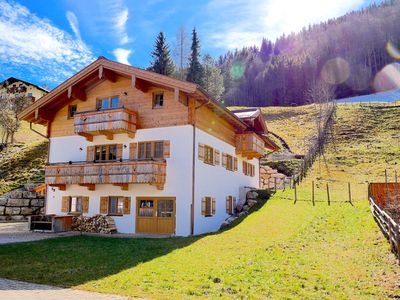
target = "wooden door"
x: 155, y: 215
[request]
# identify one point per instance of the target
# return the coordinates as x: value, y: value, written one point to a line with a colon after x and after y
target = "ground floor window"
x: 115, y: 205
x: 230, y: 205
x: 208, y: 206
x: 75, y: 204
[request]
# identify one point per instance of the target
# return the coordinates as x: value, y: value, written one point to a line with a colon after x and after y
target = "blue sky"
x: 45, y: 42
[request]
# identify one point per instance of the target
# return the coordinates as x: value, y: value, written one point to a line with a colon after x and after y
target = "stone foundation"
x: 18, y: 204
x: 272, y: 179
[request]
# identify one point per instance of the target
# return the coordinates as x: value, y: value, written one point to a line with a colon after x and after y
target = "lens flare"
x: 335, y: 71
x: 388, y: 78
x: 392, y: 50
x: 237, y: 70
x: 360, y: 78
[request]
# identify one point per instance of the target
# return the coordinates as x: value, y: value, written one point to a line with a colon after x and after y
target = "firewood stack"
x: 95, y: 224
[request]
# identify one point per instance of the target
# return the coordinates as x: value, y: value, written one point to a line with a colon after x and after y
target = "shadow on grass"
x: 71, y: 261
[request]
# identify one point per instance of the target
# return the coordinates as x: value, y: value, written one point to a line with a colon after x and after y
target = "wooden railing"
x: 125, y: 172
x: 389, y: 227
x: 108, y: 121
x: 249, y: 145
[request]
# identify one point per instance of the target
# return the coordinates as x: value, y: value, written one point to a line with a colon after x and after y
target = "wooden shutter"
x: 201, y: 152
x: 224, y: 159
x: 119, y: 151
x: 133, y: 151
x: 235, y: 164
x: 103, y: 205
x: 65, y: 203
x: 216, y: 157
x: 127, y: 206
x: 85, y: 205
x: 213, y: 206
x: 203, y: 206
x: 228, y: 204
x: 90, y: 153
x: 233, y: 204
x: 166, y: 149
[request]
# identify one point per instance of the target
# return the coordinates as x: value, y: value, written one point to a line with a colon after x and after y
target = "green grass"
x: 280, y: 251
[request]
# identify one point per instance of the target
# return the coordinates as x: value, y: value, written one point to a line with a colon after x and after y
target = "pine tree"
x: 195, y: 69
x: 162, y: 62
x: 212, y: 79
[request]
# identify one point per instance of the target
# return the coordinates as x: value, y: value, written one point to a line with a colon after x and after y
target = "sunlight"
x: 388, y: 78
x: 335, y: 71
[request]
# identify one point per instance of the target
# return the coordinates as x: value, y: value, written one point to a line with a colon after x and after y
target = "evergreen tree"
x: 212, y: 80
x: 195, y: 69
x: 162, y: 62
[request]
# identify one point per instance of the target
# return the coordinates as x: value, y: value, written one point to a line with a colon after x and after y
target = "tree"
x: 181, y: 52
x: 10, y: 107
x: 162, y: 62
x: 265, y: 50
x: 212, y: 80
x: 195, y: 69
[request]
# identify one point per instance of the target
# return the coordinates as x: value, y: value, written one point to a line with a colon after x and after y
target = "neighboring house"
x: 14, y: 86
x: 154, y: 152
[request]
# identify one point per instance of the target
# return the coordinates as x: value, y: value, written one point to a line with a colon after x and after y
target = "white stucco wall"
x: 178, y: 181
x: 217, y: 182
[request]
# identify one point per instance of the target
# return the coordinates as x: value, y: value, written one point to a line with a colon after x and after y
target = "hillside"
x: 24, y: 161
x: 280, y: 251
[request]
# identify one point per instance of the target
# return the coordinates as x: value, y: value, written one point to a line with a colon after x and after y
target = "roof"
x: 388, y: 96
x: 11, y: 80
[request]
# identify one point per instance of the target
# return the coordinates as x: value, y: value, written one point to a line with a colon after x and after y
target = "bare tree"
x: 181, y: 51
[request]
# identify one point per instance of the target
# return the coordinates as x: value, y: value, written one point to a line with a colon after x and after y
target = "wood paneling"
x: 249, y: 145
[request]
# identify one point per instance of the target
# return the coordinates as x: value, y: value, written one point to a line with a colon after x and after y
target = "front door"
x: 155, y: 215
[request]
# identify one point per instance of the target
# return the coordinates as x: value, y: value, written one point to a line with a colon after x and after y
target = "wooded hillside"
x: 346, y: 52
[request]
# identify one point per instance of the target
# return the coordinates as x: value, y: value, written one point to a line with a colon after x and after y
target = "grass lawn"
x: 280, y: 251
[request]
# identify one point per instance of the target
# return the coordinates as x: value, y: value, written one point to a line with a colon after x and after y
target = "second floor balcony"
x: 105, y: 122
x: 250, y: 145
x: 119, y: 173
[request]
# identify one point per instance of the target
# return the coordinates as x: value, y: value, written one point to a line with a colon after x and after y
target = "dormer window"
x: 158, y: 100
x: 107, y: 103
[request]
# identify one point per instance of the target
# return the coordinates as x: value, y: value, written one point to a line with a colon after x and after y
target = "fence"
x: 385, y: 194
x: 389, y: 227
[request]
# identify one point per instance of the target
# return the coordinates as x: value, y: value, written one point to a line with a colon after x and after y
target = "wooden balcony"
x: 118, y: 173
x: 249, y: 145
x: 105, y: 122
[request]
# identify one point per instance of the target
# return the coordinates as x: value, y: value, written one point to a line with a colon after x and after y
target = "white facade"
x: 210, y: 181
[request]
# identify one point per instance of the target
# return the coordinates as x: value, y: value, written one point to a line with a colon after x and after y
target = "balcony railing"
x: 105, y: 122
x: 118, y: 173
x: 250, y: 145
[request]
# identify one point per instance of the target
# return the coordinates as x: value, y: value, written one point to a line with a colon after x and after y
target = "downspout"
x: 37, y: 132
x: 194, y: 168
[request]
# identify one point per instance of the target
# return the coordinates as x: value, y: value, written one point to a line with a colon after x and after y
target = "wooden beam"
x: 90, y: 186
x: 43, y: 115
x: 141, y: 85
x: 109, y: 135
x: 87, y: 136
x: 101, y: 72
x: 124, y: 186
x: 61, y: 187
x: 110, y: 76
x: 133, y: 80
x: 76, y: 93
x: 176, y: 94
x: 69, y: 92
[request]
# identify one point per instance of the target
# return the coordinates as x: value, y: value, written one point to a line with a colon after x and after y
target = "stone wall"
x: 18, y: 204
x: 272, y: 179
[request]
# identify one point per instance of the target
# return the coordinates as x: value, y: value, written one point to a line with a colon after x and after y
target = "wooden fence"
x: 389, y: 227
x: 385, y: 194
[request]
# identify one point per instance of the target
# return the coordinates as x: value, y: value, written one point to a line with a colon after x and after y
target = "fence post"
x: 327, y: 191
x: 275, y: 183
x: 390, y: 235
x: 350, y: 193
x: 397, y: 188
x: 397, y: 228
x: 295, y: 194
x: 313, y: 194
x: 387, y: 186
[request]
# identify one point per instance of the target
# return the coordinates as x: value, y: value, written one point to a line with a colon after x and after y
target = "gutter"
x: 37, y: 132
x: 194, y: 168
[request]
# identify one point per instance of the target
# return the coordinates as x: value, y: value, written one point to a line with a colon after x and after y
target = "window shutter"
x: 85, y: 205
x: 103, y: 205
x: 233, y: 204
x: 166, y: 149
x: 65, y: 204
x: 127, y: 206
x: 213, y: 206
x: 228, y: 205
x: 201, y: 152
x: 90, y: 153
x: 224, y: 160
x: 133, y: 151
x: 119, y: 151
x: 203, y: 206
x: 216, y: 157
x: 235, y: 164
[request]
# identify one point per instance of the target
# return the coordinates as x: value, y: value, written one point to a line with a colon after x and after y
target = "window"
x: 30, y: 95
x: 230, y: 205
x: 165, y: 208
x: 146, y: 208
x: 75, y: 205
x: 116, y: 205
x: 208, y: 206
x: 106, y: 103
x: 249, y: 169
x: 71, y: 111
x: 151, y: 150
x: 229, y: 162
x: 158, y: 100
x: 105, y: 152
x: 208, y: 155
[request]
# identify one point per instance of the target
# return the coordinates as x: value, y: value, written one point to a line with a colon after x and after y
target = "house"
x: 14, y: 86
x: 155, y: 153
